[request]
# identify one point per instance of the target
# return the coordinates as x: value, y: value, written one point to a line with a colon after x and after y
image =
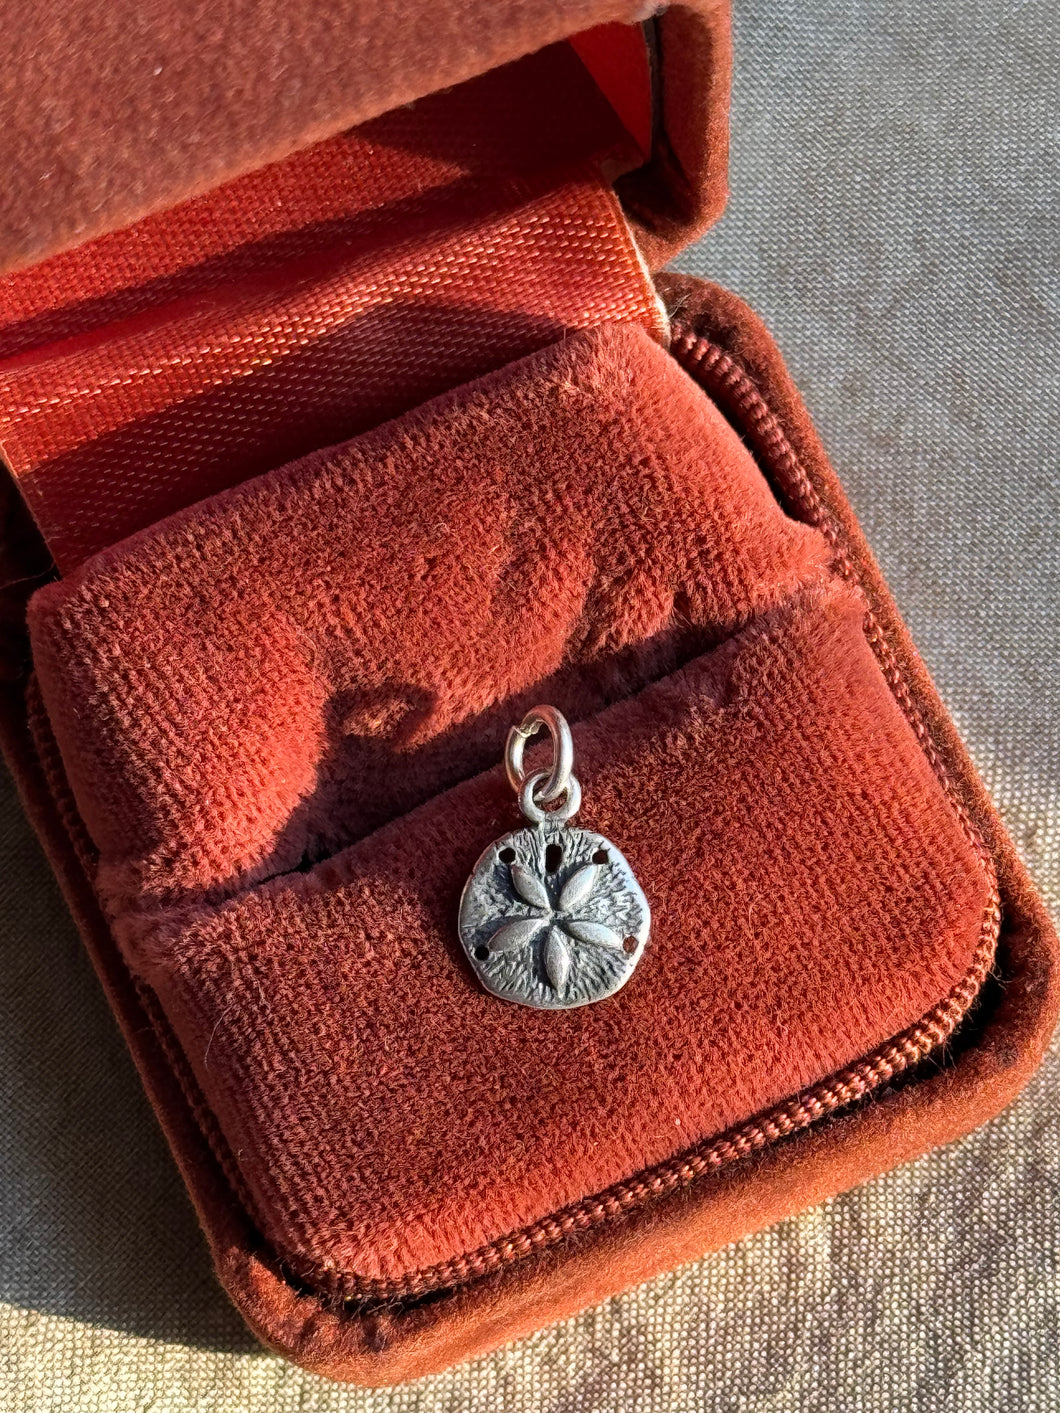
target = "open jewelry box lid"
x: 111, y: 113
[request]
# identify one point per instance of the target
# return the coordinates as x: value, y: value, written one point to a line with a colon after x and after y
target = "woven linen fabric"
x: 894, y: 219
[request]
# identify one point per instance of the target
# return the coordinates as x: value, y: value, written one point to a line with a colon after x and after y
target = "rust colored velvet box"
x: 346, y: 418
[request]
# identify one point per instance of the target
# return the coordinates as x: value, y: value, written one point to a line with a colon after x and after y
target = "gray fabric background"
x: 895, y: 219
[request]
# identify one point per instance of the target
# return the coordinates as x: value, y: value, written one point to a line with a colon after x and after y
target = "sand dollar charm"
x: 552, y: 916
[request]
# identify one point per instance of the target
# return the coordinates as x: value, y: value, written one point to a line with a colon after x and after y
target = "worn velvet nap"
x: 112, y: 112
x: 330, y: 645
x: 289, y: 668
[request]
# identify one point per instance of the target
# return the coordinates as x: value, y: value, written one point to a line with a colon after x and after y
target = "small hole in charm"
x: 507, y: 856
x: 601, y: 857
x: 553, y: 857
x: 629, y: 945
x: 482, y: 953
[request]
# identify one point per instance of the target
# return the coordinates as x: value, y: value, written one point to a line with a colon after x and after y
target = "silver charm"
x: 552, y: 916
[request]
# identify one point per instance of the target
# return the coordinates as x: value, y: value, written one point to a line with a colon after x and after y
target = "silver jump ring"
x: 558, y: 780
x: 529, y: 796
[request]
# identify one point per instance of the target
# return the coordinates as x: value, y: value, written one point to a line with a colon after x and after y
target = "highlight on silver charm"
x: 552, y: 915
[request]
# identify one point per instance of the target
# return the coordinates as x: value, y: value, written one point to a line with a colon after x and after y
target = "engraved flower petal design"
x: 558, y: 923
x: 530, y: 888
x: 515, y: 934
x: 557, y: 959
x: 595, y: 933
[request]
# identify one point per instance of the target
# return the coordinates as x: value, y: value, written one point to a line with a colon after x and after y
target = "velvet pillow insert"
x: 281, y: 713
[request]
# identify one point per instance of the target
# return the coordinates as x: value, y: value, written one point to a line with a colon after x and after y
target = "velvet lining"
x: 111, y: 113
x: 313, y: 299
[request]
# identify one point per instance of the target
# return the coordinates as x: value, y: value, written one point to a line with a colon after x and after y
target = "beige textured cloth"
x: 894, y: 217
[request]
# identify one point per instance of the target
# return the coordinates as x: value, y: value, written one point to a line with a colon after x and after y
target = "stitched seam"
x: 703, y: 359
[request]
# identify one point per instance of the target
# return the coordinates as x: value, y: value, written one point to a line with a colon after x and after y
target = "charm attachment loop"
x: 563, y: 752
x: 552, y: 916
x: 530, y: 794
